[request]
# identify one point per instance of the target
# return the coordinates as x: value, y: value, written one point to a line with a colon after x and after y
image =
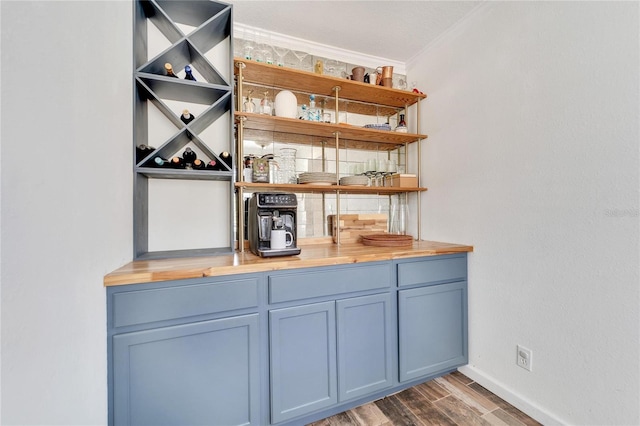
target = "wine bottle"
x: 187, y: 117
x: 402, y: 125
x: 177, y: 163
x: 169, y: 70
x: 142, y: 151
x: 198, y: 164
x: 214, y: 165
x: 161, y: 162
x: 189, y: 74
x: 189, y: 156
x: 226, y: 159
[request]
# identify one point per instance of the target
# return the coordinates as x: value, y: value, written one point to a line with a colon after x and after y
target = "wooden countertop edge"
x: 139, y: 272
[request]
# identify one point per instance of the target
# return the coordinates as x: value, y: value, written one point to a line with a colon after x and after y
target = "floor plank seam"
x: 444, y: 413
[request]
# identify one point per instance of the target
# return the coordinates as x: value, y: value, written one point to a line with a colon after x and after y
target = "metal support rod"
x: 240, y: 189
x: 336, y: 120
x: 419, y: 218
x: 336, y: 89
x: 323, y: 143
x: 337, y: 192
x: 239, y: 158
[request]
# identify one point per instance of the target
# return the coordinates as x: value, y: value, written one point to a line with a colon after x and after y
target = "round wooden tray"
x: 387, y: 240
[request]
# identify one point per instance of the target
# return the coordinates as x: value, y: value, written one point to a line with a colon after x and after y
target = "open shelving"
x: 362, y: 98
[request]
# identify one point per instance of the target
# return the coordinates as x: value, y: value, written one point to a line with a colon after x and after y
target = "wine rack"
x: 198, y: 34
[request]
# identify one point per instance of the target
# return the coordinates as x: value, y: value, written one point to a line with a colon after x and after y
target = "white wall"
x: 532, y: 157
x: 66, y: 202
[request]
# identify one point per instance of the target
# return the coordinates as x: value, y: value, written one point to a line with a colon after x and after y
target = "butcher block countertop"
x: 148, y: 271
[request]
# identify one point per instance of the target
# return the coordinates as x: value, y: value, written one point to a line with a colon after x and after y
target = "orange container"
x: 403, y: 181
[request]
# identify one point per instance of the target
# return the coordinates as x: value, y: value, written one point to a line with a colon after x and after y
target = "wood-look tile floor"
x: 453, y: 399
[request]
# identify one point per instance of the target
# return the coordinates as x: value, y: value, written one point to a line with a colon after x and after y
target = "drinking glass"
x: 331, y: 67
x: 281, y: 52
x: 301, y: 57
x: 399, y: 216
x: 371, y: 166
x: 267, y: 53
x: 249, y: 44
x: 266, y: 50
x: 258, y: 52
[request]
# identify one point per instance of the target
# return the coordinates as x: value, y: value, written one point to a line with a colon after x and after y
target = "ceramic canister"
x: 286, y: 104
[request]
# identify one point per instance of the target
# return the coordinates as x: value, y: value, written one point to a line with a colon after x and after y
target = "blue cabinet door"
x: 365, y: 345
x: 432, y: 329
x: 303, y: 360
x: 203, y: 373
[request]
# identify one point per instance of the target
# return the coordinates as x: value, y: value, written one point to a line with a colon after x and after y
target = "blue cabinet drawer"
x: 166, y: 303
x: 319, y: 283
x: 432, y: 271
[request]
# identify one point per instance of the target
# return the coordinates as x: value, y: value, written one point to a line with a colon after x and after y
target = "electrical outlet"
x: 524, y: 357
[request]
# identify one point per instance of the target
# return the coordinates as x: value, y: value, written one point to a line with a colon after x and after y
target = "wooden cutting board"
x: 387, y: 240
x: 353, y: 226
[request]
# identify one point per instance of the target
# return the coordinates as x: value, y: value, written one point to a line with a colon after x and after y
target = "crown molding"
x: 323, y: 50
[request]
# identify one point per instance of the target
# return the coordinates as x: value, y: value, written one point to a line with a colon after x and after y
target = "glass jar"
x: 266, y: 106
x: 247, y: 104
x: 399, y: 215
x: 402, y: 125
x: 288, y: 165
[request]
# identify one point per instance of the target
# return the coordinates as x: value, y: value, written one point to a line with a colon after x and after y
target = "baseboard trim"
x: 504, y: 392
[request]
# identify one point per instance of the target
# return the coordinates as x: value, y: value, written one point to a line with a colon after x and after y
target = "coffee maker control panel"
x: 277, y: 200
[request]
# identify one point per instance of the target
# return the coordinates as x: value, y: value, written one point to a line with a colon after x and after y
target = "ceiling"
x: 395, y: 30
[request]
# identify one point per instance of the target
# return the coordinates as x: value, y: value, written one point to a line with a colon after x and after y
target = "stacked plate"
x: 317, y: 178
x: 384, y: 126
x: 354, y: 181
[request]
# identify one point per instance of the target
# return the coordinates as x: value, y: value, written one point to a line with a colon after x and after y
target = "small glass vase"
x: 399, y: 216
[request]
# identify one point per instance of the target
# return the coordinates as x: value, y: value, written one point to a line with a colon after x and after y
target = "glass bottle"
x: 402, y: 125
x: 248, y: 105
x: 313, y: 113
x: 188, y: 73
x: 265, y: 104
x: 187, y: 117
x: 399, y: 216
x: 189, y: 157
x: 168, y: 68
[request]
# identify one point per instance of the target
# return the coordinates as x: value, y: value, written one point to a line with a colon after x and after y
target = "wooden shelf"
x: 323, y: 85
x: 310, y: 188
x: 351, y: 136
x: 345, y: 105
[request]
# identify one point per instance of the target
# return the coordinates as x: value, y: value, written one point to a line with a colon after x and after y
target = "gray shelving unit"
x: 192, y: 29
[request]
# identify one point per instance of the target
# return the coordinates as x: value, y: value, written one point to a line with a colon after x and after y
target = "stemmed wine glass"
x: 370, y: 170
x: 301, y: 55
x: 248, y: 44
x: 267, y: 52
x: 263, y: 49
x: 281, y: 52
x: 258, y: 54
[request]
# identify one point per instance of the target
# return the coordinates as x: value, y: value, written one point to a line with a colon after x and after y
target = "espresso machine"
x: 272, y: 212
